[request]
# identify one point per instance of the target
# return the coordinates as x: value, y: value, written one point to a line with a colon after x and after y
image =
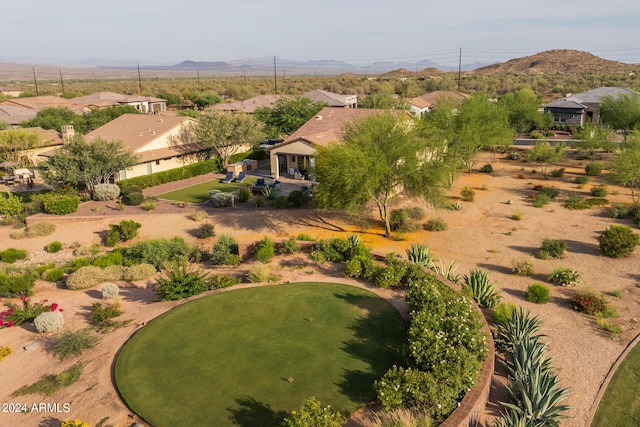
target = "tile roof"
x: 137, y: 130
x: 15, y: 114
x: 249, y: 105
x: 330, y: 98
x: 593, y: 96
x: 104, y: 99
x: 565, y: 103
x: 40, y: 102
x: 431, y: 99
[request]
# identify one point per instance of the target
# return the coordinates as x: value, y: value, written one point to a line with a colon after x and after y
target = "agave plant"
x: 421, y: 254
x: 519, y: 327
x: 528, y: 354
x: 448, y: 271
x: 481, y: 288
x: 270, y: 193
x: 515, y: 419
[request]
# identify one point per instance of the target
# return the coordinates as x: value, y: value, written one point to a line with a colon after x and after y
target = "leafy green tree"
x: 15, y: 142
x: 207, y: 99
x: 621, y: 112
x: 171, y: 98
x: 4, y: 125
x: 101, y: 116
x: 290, y: 113
x: 381, y: 157
x: 625, y: 167
x: 55, y: 118
x: 80, y: 162
x: 227, y: 133
x: 381, y: 100
x: 545, y: 154
x: 522, y: 108
x: 594, y: 139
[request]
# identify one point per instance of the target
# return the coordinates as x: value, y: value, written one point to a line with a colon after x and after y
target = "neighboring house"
x: 425, y: 103
x: 577, y: 109
x: 249, y: 105
x: 294, y: 157
x: 15, y: 114
x: 37, y: 103
x: 9, y: 91
x: 48, y: 141
x: 161, y: 142
x: 333, y: 99
x: 144, y: 104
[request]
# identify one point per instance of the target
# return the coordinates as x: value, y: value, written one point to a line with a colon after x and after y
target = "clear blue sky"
x: 357, y: 31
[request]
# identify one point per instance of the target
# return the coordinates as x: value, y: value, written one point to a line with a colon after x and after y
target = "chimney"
x: 68, y: 132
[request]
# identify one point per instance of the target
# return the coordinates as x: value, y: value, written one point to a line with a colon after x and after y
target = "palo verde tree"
x: 55, y: 118
x: 545, y: 154
x: 594, y: 139
x: 15, y: 143
x: 226, y: 133
x: 625, y: 167
x: 522, y: 109
x: 621, y: 112
x: 80, y: 162
x: 381, y: 156
x: 289, y: 114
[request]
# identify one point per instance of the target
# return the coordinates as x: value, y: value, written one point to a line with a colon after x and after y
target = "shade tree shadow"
x: 529, y: 250
x: 497, y: 268
x: 251, y: 413
x: 579, y: 247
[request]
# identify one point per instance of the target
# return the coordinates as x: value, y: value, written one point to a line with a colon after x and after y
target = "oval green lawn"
x: 250, y: 356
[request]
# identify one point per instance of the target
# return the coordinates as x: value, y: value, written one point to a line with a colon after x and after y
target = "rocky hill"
x: 559, y: 61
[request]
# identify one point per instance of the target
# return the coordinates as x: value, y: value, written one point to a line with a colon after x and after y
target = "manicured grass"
x: 620, y: 405
x: 199, y: 193
x: 250, y: 356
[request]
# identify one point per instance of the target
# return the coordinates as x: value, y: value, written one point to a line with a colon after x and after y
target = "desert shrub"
x: 131, y: 189
x: 551, y: 192
x: 296, y: 198
x: 148, y: 206
x: 126, y: 230
x: 353, y: 268
x: 513, y: 155
x: 503, y: 313
x: 73, y: 343
x: 619, y: 210
x: 454, y: 206
x: 270, y: 193
x: 104, y: 192
x: 60, y: 204
x: 53, y: 275
x: 599, y: 191
x: 538, y: 293
x: 85, y: 277
x: 44, y: 267
x: 49, y: 321
x: 259, y: 201
x: 281, y: 202
x: 289, y: 246
x: 565, y: 277
x: 112, y: 273
x: 102, y: 315
x: 399, y: 220
x: 481, y: 288
x: 40, y: 229
x: 157, y: 251
x: 222, y: 250
x: 436, y: 224
x: 421, y: 255
x: 523, y: 268
x: 10, y: 204
x: 198, y: 215
x: 618, y: 241
x: 487, y: 168
x: 76, y: 264
x: 136, y: 272
x: 220, y: 281
x: 593, y: 169
x: 554, y: 248
x: 259, y: 273
x: 557, y: 173
x: 540, y: 200
x: 135, y: 199
x: 392, y: 274
x: 15, y: 285
x: 11, y: 255
x: 206, y: 230
x: 581, y: 180
x: 311, y: 413
x: 265, y: 249
x: 588, y: 301
x: 4, y: 352
x: 54, y: 247
x: 109, y: 291
x: 415, y: 212
x: 468, y: 195
x: 108, y: 259
x: 401, y: 417
x: 221, y: 200
x: 244, y: 194
x: 305, y: 238
x: 181, y: 282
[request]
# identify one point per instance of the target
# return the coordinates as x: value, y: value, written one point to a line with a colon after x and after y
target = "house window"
x: 157, y: 162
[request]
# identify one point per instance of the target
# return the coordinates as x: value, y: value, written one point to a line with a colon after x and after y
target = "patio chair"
x: 241, y: 177
x: 228, y: 178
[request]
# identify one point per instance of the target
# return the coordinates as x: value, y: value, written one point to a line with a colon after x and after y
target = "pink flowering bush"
x: 16, y: 315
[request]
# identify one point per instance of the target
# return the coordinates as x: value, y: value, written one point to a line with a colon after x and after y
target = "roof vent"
x: 318, y: 117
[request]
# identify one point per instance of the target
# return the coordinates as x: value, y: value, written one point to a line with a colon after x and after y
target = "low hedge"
x: 62, y: 204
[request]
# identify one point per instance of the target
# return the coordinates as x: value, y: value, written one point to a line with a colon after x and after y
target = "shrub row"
x: 90, y: 275
x: 10, y: 204
x: 60, y: 204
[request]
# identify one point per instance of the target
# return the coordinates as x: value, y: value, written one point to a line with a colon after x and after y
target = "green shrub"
x: 503, y: 313
x: 289, y: 246
x: 265, y: 249
x: 104, y: 192
x: 481, y: 288
x: 221, y: 200
x: 392, y: 274
x: 618, y: 241
x: 126, y: 230
x: 353, y: 268
x: 10, y: 204
x: 220, y: 281
x: 40, y: 229
x: 16, y: 285
x: 259, y: 273
x: 12, y: 255
x: 206, y: 230
x: 85, y: 277
x: 148, y: 206
x: 109, y: 291
x: 588, y: 301
x: 244, y: 194
x: 222, y: 250
x: 619, y: 210
x: 157, y: 251
x: 551, y: 192
x: 415, y: 212
x: 110, y: 258
x: 554, y: 248
x: 436, y: 224
x: 53, y: 275
x: 76, y: 264
x: 311, y: 413
x: 296, y: 198
x: 54, y: 247
x: 60, y: 204
x: 399, y: 220
x: 176, y: 174
x: 131, y: 189
x: 421, y: 255
x: 557, y: 173
x: 599, y: 191
x: 198, y: 215
x: 49, y: 321
x: 523, y: 268
x: 281, y: 202
x: 581, y: 180
x: 259, y: 201
x: 540, y: 200
x: 468, y: 195
x: 135, y: 199
x: 73, y: 343
x: 102, y: 316
x: 181, y: 282
x: 305, y: 238
x: 538, y: 293
x: 136, y: 272
x: 593, y: 169
x: 565, y: 277
x: 487, y: 168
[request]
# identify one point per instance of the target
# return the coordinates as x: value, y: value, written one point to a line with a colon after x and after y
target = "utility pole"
x: 61, y: 82
x: 35, y: 81
x: 459, y: 69
x: 198, y: 77
x: 275, y: 76
x: 139, y: 79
